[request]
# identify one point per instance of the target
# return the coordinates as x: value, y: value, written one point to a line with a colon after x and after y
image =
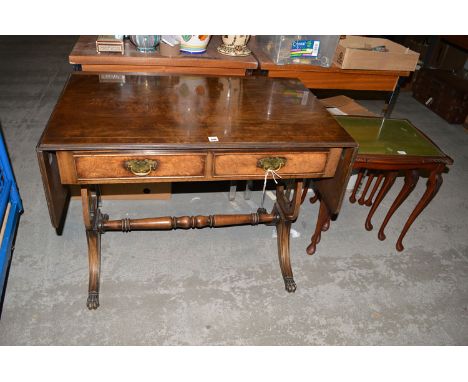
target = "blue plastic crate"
x: 10, y: 209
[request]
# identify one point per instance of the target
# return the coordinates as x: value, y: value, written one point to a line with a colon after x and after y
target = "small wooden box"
x: 109, y: 43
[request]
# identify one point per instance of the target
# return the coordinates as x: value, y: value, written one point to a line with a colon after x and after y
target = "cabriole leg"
x: 433, y: 185
x: 352, y: 198
x: 323, y: 223
x: 411, y: 179
x: 388, y: 182
x: 362, y: 199
x: 369, y: 200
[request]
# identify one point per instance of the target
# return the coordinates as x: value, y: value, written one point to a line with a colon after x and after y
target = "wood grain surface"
x: 183, y: 112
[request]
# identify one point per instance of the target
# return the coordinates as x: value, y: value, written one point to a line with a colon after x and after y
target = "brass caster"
x: 289, y: 284
x: 93, y: 301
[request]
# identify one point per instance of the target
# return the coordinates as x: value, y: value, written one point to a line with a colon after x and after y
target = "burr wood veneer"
x: 171, y: 128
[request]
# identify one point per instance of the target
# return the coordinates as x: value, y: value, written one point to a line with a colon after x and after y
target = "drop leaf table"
x: 150, y: 129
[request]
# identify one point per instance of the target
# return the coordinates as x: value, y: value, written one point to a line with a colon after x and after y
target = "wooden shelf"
x: 84, y: 53
x: 317, y: 77
x: 213, y: 63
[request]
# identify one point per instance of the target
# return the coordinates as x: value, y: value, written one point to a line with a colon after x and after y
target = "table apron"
x: 88, y: 167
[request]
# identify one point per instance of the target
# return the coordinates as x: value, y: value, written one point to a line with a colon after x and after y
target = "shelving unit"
x: 11, y: 208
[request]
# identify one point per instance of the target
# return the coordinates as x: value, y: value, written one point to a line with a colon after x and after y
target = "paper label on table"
x: 304, y: 48
x: 401, y: 152
x: 213, y: 139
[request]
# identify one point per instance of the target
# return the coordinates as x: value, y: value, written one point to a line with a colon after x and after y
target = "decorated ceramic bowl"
x: 234, y: 45
x: 194, y: 44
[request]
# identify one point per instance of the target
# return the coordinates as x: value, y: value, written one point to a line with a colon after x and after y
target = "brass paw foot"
x: 93, y: 301
x: 289, y: 284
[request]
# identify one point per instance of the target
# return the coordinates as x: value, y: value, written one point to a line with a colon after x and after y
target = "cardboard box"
x: 354, y: 52
x: 342, y: 105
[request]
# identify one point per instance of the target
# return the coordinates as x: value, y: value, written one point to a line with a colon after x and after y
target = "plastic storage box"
x: 10, y: 209
x: 299, y: 49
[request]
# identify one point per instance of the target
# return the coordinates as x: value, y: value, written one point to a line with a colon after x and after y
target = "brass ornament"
x: 141, y: 167
x: 271, y: 163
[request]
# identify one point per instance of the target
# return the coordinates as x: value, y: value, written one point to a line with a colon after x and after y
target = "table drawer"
x: 121, y: 167
x: 319, y: 163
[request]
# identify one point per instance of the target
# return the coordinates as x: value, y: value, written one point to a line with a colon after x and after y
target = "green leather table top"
x: 395, y: 137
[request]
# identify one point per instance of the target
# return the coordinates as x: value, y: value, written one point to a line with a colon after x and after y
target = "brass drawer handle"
x: 140, y: 167
x: 271, y: 163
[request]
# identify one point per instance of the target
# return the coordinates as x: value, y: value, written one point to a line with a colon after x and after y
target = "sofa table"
x: 171, y: 128
x: 84, y: 57
x: 385, y: 152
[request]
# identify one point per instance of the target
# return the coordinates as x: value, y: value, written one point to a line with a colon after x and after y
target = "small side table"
x: 385, y: 152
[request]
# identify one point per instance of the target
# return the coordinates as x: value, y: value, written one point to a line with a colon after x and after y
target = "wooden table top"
x: 84, y: 53
x: 182, y: 112
x: 266, y: 63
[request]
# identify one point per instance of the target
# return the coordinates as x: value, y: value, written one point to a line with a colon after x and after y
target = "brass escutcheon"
x: 141, y: 167
x: 271, y: 163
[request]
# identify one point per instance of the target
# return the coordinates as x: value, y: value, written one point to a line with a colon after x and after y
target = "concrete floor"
x: 224, y: 286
